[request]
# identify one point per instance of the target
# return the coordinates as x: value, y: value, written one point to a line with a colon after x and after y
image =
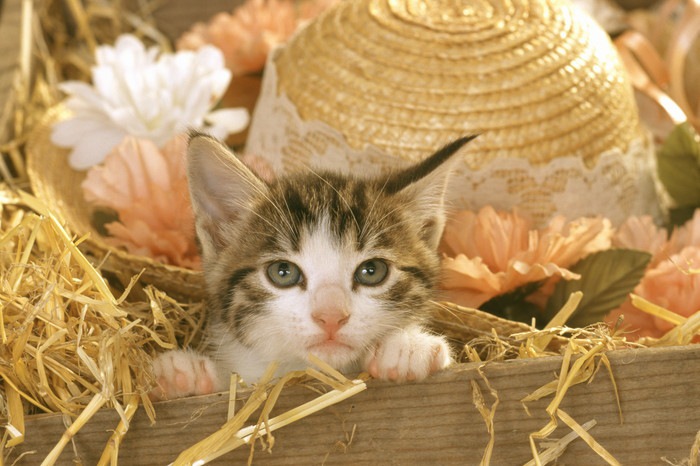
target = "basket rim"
x: 54, y: 182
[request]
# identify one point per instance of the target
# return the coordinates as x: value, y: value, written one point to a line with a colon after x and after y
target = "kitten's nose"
x: 330, y: 319
x: 329, y: 309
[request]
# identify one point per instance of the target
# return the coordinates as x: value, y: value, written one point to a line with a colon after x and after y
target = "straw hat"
x: 59, y: 186
x: 378, y: 80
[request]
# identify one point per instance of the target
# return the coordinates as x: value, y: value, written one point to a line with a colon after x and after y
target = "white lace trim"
x: 619, y: 185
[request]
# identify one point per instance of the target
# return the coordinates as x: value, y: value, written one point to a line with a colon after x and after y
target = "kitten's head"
x: 316, y: 262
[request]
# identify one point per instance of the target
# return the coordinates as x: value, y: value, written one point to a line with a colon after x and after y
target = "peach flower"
x: 247, y: 36
x: 641, y: 233
x: 669, y: 281
x: 490, y: 253
x: 671, y: 285
x: 148, y: 188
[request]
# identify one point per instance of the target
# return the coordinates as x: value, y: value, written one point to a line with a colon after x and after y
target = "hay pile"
x: 69, y: 343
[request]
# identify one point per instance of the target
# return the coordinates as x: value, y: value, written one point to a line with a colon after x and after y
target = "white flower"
x: 140, y: 93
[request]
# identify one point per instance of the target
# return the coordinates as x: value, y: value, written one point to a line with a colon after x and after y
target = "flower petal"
x: 94, y: 147
x: 67, y: 133
x: 228, y: 120
x: 247, y: 36
x: 492, y: 253
x: 143, y: 94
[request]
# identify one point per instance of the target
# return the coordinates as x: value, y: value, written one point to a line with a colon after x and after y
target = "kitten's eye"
x: 372, y: 272
x: 284, y: 274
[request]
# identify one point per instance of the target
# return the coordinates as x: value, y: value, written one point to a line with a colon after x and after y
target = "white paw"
x: 410, y: 354
x: 181, y: 373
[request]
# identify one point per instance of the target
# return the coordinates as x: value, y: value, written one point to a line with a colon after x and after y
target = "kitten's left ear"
x: 221, y: 189
x: 426, y: 183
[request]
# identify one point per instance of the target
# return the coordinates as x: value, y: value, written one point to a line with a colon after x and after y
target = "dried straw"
x: 69, y: 344
x: 556, y: 449
x: 685, y: 331
x: 583, y: 354
x: 580, y: 371
x: 232, y: 435
x: 487, y: 413
x: 582, y: 358
x: 693, y: 459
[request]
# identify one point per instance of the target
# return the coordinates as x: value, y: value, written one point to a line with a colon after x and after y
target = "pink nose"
x: 329, y: 308
x: 330, y: 320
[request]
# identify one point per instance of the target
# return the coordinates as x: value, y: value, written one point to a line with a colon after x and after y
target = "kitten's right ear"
x: 221, y: 188
x: 426, y: 184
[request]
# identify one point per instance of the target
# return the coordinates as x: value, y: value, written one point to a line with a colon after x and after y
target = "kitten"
x: 337, y: 266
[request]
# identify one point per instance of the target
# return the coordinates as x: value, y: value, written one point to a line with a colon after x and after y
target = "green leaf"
x: 678, y: 216
x: 678, y: 163
x: 607, y: 277
x: 513, y: 305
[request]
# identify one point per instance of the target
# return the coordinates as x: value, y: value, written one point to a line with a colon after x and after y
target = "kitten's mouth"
x: 330, y: 346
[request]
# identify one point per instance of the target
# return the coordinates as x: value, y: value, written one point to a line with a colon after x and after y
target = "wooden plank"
x: 431, y: 422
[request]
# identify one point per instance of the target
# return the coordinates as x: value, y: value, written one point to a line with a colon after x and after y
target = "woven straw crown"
x: 537, y: 78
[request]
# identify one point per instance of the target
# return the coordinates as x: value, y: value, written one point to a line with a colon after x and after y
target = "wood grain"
x: 433, y: 422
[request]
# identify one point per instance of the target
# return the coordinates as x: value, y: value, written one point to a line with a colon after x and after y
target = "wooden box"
x: 433, y: 422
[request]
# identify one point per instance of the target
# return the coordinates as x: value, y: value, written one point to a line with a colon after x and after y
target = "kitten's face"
x: 324, y: 265
x: 315, y: 263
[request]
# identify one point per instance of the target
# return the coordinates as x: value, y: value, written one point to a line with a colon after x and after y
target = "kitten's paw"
x: 410, y: 354
x: 181, y: 373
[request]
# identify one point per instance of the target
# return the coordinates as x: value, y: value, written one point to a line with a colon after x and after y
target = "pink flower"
x: 148, y: 188
x: 490, y: 253
x: 247, y: 36
x: 641, y: 233
x: 669, y: 281
x: 671, y: 285
x: 167, y: 246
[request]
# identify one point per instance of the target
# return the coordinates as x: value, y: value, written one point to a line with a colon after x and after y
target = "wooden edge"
x: 429, y: 422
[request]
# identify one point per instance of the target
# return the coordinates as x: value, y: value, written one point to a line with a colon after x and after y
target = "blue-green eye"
x: 284, y: 274
x: 371, y: 272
